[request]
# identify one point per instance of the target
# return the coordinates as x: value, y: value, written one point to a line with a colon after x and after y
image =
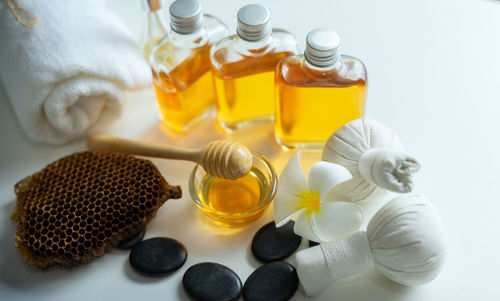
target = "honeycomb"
x: 78, y: 207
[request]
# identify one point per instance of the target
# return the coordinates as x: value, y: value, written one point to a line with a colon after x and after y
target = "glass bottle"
x: 154, y: 25
x: 318, y: 92
x: 244, y: 65
x: 181, y: 65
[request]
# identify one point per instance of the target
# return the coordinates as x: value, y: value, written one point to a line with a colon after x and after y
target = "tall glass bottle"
x: 181, y: 65
x: 154, y: 25
x: 318, y: 92
x: 244, y: 66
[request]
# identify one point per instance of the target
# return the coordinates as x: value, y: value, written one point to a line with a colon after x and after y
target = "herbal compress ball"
x: 404, y: 241
x: 374, y: 156
x: 76, y: 208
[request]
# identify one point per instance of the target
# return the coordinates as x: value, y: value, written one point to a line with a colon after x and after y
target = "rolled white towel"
x: 65, y: 77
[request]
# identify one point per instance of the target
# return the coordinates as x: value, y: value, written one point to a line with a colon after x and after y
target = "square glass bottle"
x: 181, y: 65
x: 154, y: 25
x: 244, y: 66
x: 318, y: 92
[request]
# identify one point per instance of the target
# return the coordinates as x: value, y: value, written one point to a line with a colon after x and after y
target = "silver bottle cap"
x: 185, y: 16
x: 253, y: 22
x: 322, y: 47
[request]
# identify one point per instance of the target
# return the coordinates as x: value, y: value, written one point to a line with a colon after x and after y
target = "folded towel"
x: 65, y: 77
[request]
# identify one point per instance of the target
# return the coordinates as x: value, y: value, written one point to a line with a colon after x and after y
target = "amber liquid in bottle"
x: 245, y: 90
x: 244, y: 65
x: 311, y: 104
x: 181, y: 65
x: 186, y: 93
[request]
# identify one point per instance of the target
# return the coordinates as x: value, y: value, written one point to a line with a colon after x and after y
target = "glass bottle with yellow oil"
x: 154, y: 25
x: 181, y: 65
x: 244, y: 66
x: 318, y: 92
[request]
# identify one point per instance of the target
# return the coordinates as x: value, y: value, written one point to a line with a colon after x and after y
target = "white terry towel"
x: 65, y: 77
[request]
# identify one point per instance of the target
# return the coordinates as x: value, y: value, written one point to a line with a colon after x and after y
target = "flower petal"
x: 292, y: 186
x: 285, y: 205
x: 292, y: 178
x: 303, y: 227
x: 336, y: 220
x: 325, y: 175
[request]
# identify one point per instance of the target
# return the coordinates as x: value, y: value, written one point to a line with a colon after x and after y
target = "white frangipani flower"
x: 322, y: 215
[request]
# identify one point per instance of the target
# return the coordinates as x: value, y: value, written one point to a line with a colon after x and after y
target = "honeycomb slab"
x: 78, y: 207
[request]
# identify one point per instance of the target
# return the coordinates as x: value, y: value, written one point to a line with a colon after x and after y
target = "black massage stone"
x: 209, y: 281
x: 276, y: 281
x: 274, y: 244
x: 130, y: 242
x: 313, y: 243
x: 157, y: 256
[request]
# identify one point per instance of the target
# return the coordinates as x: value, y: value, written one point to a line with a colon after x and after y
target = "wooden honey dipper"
x: 223, y: 159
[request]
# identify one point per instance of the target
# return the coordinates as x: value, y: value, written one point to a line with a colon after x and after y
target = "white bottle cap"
x: 253, y: 22
x: 322, y: 47
x: 185, y: 16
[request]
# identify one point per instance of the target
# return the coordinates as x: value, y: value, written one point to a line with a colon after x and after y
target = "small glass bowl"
x: 268, y: 182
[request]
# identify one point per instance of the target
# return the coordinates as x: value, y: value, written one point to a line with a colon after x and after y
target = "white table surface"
x: 433, y: 76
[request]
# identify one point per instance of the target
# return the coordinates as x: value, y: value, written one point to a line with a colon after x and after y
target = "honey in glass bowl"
x: 235, y: 202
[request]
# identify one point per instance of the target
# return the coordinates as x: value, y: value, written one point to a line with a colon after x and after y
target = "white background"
x: 434, y: 76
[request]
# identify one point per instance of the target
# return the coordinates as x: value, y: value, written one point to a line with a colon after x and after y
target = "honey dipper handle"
x: 106, y: 143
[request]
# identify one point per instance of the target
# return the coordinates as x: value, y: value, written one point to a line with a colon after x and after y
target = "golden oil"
x: 181, y: 66
x: 234, y: 202
x: 307, y: 115
x: 314, y: 101
x: 244, y: 66
x: 245, y: 91
x: 186, y: 93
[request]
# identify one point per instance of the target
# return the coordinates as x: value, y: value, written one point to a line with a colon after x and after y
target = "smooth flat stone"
x: 274, y: 244
x: 276, y: 281
x: 157, y: 256
x: 209, y: 281
x: 130, y: 242
x: 313, y: 243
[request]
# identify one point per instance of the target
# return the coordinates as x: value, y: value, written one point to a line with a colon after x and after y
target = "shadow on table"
x: 181, y: 293
x: 368, y: 286
x: 17, y: 274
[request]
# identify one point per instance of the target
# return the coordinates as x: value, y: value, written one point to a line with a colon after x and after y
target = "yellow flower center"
x: 309, y: 200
